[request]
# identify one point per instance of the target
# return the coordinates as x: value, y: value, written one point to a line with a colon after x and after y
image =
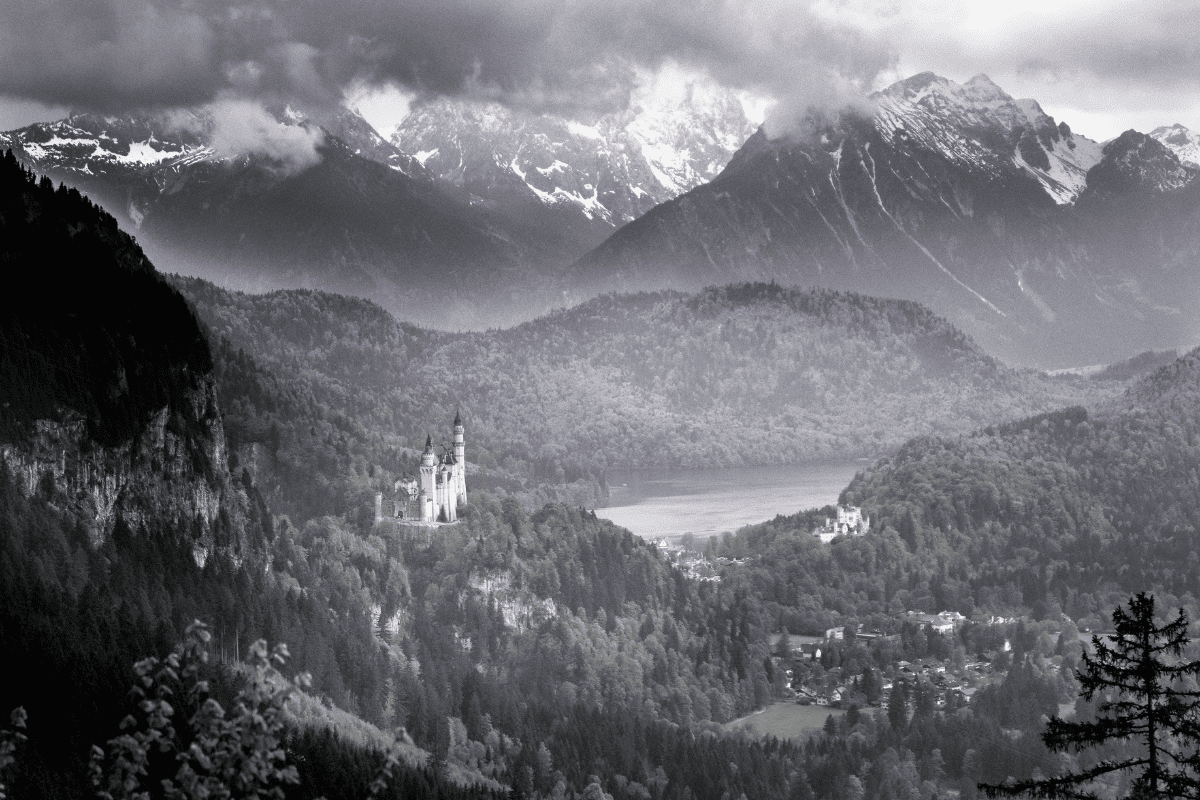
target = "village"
x: 933, y: 660
x: 943, y: 659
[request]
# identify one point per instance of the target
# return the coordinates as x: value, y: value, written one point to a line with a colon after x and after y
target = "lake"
x: 706, y: 502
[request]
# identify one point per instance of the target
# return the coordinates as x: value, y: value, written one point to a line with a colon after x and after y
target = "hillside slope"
x: 1066, y: 510
x: 107, y: 403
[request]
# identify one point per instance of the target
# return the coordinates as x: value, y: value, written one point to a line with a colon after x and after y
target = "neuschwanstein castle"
x: 433, y: 496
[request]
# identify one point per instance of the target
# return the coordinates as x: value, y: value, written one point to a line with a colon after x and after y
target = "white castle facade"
x: 439, y: 488
x: 850, y: 521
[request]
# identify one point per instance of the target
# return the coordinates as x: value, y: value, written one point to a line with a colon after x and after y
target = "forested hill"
x: 1064, y: 510
x: 748, y: 374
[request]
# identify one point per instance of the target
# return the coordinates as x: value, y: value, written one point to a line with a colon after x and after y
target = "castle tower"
x: 447, y: 511
x: 460, y: 460
x: 428, y: 495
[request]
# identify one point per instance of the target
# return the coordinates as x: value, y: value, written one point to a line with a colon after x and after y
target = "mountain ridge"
x: 107, y: 402
x: 957, y: 196
x: 936, y: 198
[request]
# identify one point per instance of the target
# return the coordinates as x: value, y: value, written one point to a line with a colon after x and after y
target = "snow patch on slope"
x: 649, y: 153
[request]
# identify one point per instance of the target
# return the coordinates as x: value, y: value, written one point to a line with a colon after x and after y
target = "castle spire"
x: 457, y: 419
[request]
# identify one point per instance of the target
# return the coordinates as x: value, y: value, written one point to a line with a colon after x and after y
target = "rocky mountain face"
x: 977, y: 126
x: 1137, y: 164
x: 154, y: 481
x: 587, y: 178
x: 981, y: 206
x: 107, y: 403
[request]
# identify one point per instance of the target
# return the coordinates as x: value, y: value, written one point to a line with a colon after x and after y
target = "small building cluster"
x: 943, y: 622
x: 693, y: 564
x: 848, y: 522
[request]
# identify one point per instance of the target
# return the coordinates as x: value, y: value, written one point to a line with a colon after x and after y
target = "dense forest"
x: 751, y: 374
x: 426, y: 635
x: 1064, y: 512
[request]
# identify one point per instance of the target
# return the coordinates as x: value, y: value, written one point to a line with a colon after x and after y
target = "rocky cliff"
x: 161, y: 480
x: 108, y: 407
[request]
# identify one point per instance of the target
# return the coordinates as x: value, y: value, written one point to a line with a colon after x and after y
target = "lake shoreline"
x: 705, y: 503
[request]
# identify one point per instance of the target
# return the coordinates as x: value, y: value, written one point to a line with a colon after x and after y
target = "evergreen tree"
x: 1138, y: 679
x: 897, y: 709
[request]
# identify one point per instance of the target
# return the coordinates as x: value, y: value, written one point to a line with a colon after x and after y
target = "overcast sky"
x: 1101, y: 65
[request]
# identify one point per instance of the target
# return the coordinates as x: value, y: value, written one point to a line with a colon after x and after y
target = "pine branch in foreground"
x: 1139, y: 676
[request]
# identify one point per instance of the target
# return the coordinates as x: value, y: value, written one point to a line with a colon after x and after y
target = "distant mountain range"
x: 366, y: 219
x: 1050, y: 249
x: 464, y: 233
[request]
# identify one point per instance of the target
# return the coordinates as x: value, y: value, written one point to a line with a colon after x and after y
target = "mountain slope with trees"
x: 747, y: 374
x: 1061, y: 512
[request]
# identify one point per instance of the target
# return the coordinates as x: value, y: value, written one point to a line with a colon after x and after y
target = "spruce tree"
x: 1138, y: 679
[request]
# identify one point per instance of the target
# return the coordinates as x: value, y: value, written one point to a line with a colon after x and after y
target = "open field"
x: 785, y: 720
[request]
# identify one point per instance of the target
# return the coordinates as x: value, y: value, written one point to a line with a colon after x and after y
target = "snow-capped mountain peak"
x: 85, y: 142
x: 1138, y: 163
x: 978, y: 124
x: 1183, y: 142
x: 609, y: 169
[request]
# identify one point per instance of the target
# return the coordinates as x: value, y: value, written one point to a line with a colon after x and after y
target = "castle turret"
x: 460, y: 459
x: 428, y: 493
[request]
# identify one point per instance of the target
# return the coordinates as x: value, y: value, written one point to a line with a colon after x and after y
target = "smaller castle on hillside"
x: 849, y: 522
x: 438, y: 489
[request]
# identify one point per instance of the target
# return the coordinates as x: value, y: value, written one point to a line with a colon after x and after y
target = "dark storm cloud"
x: 550, y: 54
x: 104, y: 53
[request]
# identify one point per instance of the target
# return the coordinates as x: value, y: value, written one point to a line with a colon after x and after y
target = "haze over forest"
x: 328, y: 326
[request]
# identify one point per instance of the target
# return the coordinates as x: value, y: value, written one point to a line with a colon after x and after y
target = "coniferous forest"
x: 534, y: 650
